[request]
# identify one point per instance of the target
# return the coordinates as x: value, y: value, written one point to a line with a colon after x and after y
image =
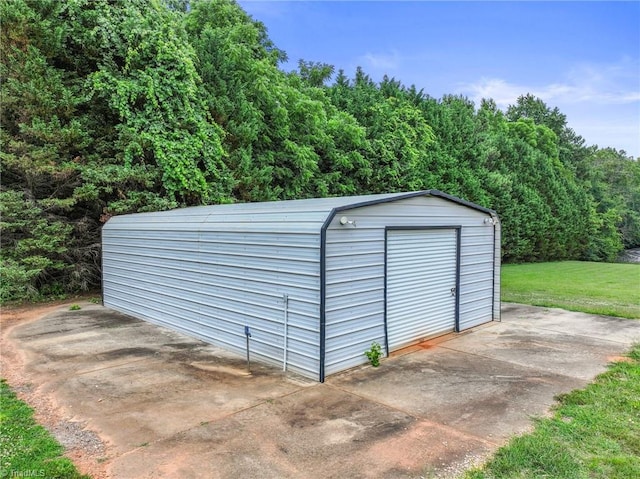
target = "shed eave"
x: 402, y: 196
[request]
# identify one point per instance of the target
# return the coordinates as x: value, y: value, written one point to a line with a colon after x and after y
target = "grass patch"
x: 26, y: 448
x: 594, y: 433
x: 611, y: 289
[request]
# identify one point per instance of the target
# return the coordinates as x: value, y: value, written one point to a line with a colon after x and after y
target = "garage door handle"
x: 453, y: 291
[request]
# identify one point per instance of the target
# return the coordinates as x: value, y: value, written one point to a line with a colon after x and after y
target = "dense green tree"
x: 603, y: 239
x: 315, y: 74
x: 43, y: 140
x: 102, y: 113
x: 117, y: 106
x: 284, y: 138
x: 398, y: 137
x: 615, y: 185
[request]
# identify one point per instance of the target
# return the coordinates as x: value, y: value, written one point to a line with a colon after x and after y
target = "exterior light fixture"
x: 346, y: 221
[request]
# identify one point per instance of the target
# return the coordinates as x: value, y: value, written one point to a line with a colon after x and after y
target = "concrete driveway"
x: 165, y: 405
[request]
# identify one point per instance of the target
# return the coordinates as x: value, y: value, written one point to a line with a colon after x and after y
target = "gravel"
x: 73, y: 435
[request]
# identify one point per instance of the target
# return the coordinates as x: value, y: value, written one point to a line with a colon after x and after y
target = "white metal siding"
x: 476, y: 276
x: 211, y: 284
x: 354, y: 307
x: 497, y: 263
x: 421, y: 283
x: 355, y: 257
x: 208, y: 271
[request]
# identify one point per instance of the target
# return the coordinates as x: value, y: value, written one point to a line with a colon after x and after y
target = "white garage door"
x: 421, y: 284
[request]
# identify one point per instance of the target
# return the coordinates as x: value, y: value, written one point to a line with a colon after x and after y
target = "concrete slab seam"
x: 419, y: 418
x: 599, y: 338
x: 519, y: 365
x: 217, y: 419
x: 104, y: 368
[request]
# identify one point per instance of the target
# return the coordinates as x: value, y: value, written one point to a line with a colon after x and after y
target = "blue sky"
x: 583, y: 57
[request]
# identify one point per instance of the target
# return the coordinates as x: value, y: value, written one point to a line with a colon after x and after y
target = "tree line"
x: 112, y: 107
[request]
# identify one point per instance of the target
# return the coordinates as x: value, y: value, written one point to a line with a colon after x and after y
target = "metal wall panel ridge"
x: 211, y: 285
x: 355, y: 269
x: 421, y: 284
x: 316, y: 280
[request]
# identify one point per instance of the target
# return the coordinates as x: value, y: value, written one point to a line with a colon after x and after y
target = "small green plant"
x: 95, y: 300
x: 74, y: 307
x: 374, y: 354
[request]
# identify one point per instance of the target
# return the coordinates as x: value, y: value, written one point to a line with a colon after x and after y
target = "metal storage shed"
x: 316, y: 281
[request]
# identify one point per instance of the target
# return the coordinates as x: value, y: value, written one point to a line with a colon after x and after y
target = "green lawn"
x: 611, y: 289
x: 593, y: 433
x: 26, y: 448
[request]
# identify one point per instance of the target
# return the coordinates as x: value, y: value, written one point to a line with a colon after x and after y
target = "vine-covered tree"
x: 117, y: 106
x: 102, y: 113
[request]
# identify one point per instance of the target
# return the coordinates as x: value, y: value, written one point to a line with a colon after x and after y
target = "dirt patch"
x: 85, y: 448
x: 619, y: 359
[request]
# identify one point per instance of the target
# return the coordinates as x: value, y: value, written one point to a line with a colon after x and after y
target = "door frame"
x: 458, y: 230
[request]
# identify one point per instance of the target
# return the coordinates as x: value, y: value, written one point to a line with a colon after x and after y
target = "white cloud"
x: 502, y: 92
x: 604, y: 84
x: 381, y: 61
x: 601, y: 101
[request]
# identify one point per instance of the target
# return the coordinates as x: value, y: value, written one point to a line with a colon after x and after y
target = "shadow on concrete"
x: 168, y: 406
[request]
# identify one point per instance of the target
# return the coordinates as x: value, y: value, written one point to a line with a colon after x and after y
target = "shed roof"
x: 292, y: 215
